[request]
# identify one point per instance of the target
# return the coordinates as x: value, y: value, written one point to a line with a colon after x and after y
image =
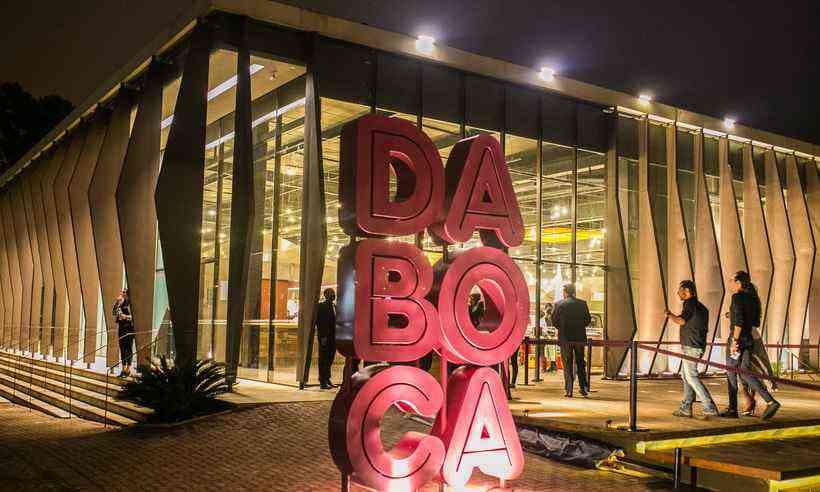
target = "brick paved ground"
x: 274, y: 447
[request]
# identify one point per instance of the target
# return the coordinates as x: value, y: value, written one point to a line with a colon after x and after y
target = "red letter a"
x: 480, y: 431
x: 480, y: 196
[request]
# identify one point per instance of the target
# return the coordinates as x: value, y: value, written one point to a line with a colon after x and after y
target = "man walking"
x: 694, y: 325
x: 326, y: 331
x: 570, y: 317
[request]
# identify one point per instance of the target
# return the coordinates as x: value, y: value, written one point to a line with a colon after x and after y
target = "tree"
x: 25, y: 119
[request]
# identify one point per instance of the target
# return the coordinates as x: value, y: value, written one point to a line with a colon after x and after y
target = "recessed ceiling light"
x: 425, y: 44
x: 547, y: 74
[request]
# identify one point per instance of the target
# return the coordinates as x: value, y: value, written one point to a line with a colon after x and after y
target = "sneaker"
x: 711, y: 411
x: 771, y: 409
x: 682, y: 413
x: 584, y: 393
x: 567, y: 395
x: 729, y: 413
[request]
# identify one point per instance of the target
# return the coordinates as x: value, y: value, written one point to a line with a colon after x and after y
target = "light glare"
x: 729, y: 123
x: 547, y: 74
x: 425, y: 44
x: 645, y: 98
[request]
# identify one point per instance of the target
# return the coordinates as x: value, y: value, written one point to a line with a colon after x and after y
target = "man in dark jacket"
x: 326, y: 331
x: 571, y: 317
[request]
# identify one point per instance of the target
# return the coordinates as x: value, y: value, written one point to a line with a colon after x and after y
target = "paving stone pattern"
x: 274, y: 447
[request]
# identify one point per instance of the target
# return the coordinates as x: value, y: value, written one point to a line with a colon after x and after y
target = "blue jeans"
x: 692, y: 384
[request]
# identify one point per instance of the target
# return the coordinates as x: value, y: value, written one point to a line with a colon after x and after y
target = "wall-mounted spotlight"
x: 547, y: 74
x: 645, y: 98
x: 729, y: 123
x: 425, y: 44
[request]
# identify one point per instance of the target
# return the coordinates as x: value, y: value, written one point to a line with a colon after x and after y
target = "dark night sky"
x: 758, y: 60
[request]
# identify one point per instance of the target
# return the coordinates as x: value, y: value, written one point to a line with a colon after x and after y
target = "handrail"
x: 110, y: 369
x: 68, y: 376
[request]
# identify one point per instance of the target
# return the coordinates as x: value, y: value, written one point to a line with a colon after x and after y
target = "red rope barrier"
x: 646, y: 346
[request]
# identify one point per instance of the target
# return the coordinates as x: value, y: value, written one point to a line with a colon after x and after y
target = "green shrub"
x: 177, y: 392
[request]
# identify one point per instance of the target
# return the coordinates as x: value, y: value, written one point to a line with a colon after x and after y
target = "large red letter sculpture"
x: 480, y: 432
x: 480, y: 196
x: 394, y: 307
x: 506, y: 302
x: 389, y: 319
x: 371, y: 146
x: 355, y: 435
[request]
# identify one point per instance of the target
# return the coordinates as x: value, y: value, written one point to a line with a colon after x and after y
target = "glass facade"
x: 560, y: 154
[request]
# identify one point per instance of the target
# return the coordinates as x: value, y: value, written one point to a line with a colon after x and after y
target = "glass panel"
x: 628, y: 194
x: 556, y: 220
x: 277, y: 114
x: 529, y: 268
x: 522, y: 159
x: 686, y: 183
x: 736, y: 163
x: 658, y: 195
x: 445, y: 135
x: 334, y: 115
x: 216, y: 203
x: 591, y: 168
x: 711, y: 169
x: 553, y: 278
x: 590, y: 225
x: 287, y: 195
x: 590, y: 286
x: 557, y: 162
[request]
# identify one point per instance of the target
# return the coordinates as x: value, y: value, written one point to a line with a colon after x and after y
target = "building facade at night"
x: 204, y: 176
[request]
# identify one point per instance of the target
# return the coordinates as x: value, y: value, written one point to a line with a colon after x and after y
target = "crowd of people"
x: 567, y: 320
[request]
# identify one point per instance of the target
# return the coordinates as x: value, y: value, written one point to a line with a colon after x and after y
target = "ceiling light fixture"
x: 547, y: 74
x: 425, y: 44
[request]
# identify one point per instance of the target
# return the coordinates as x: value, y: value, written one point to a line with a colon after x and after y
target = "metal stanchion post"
x: 526, y: 361
x: 633, y: 387
x: 589, y: 364
x: 678, y: 465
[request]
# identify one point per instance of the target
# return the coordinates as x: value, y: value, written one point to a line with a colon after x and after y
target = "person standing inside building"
x: 476, y: 308
x: 570, y: 316
x: 548, y: 332
x: 744, y: 315
x: 694, y: 325
x: 125, y: 331
x: 326, y: 331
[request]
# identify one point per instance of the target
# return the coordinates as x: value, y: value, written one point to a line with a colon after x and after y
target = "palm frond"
x: 177, y: 392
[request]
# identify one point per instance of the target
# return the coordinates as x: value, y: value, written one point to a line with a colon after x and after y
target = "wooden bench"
x: 784, y: 458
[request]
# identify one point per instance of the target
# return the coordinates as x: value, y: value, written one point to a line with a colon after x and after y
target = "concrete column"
x: 652, y: 293
x: 179, y: 195
x: 708, y: 269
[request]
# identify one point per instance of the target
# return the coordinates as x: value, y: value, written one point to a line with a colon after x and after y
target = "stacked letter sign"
x: 395, y: 307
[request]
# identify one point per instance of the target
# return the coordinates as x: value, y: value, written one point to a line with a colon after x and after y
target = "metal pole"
x: 677, y: 471
x: 589, y: 364
x: 633, y: 386
x: 526, y: 361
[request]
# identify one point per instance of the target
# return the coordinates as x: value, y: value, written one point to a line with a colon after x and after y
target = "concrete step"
x: 37, y: 371
x: 68, y: 390
x: 73, y: 406
x: 59, y: 366
x: 14, y: 395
